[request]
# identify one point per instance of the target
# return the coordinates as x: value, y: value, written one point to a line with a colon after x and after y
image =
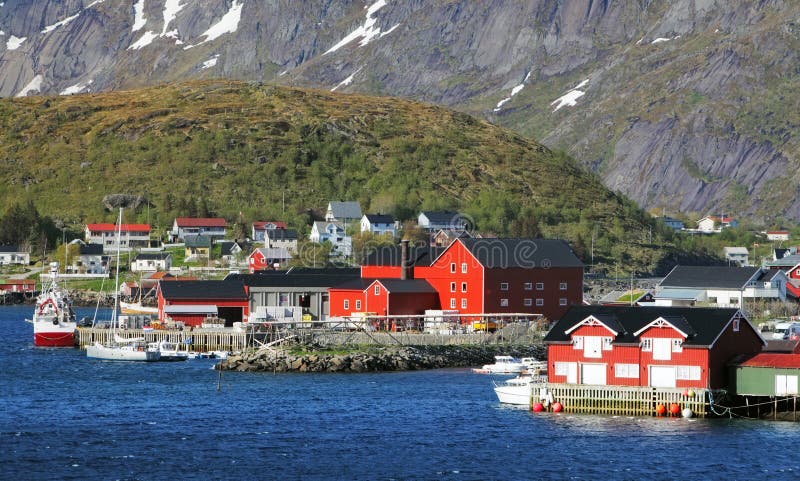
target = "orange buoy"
x: 538, y: 407
x: 674, y: 409
x: 557, y: 407
x: 660, y: 410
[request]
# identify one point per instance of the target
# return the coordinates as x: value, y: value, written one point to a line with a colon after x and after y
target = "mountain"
x: 687, y: 105
x: 248, y: 151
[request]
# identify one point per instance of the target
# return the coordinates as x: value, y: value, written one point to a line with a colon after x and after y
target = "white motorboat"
x: 168, y: 351
x: 53, y: 320
x: 503, y: 365
x: 534, y: 366
x: 519, y: 390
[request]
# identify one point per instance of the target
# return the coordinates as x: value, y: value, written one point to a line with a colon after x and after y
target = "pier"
x: 200, y: 340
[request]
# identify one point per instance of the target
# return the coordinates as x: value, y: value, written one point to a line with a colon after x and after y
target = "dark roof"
x: 197, y: 241
x: 723, y: 277
x: 523, y: 253
x: 282, y: 234
x: 9, y: 248
x: 227, y: 289
x: 781, y: 345
x: 90, y: 249
x: 391, y: 256
x: 399, y: 286
x: 225, y: 247
x: 291, y: 280
x: 767, y: 275
x: 358, y: 284
x: 780, y: 253
x: 155, y: 256
x: 380, y: 219
x: 703, y: 325
x: 443, y: 217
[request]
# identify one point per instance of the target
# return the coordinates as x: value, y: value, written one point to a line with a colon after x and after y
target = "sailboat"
x: 120, y: 348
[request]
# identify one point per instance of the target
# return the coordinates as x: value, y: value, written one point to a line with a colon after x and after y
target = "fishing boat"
x: 519, y: 390
x: 120, y: 348
x: 169, y: 351
x: 502, y: 365
x: 53, y: 320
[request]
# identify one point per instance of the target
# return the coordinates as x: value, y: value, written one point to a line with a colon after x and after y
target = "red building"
x: 473, y: 276
x: 383, y: 297
x: 675, y: 347
x: 263, y: 259
x: 192, y: 302
x: 18, y: 285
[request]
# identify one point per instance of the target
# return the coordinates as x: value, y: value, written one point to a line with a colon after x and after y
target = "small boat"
x: 502, y: 365
x: 534, y: 365
x: 53, y: 320
x: 168, y: 351
x: 518, y: 390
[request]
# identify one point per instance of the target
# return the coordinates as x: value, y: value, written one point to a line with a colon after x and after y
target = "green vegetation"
x: 256, y: 152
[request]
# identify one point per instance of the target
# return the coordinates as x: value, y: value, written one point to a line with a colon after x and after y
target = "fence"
x: 625, y: 401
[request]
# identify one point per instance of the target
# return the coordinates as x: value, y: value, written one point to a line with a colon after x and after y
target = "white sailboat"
x: 121, y: 349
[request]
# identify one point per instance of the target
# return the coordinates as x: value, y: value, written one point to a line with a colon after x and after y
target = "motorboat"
x: 534, y: 366
x: 503, y: 365
x: 168, y: 351
x: 519, y: 390
x: 53, y: 320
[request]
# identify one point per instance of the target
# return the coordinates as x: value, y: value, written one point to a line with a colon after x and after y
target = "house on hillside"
x: 346, y: 212
x: 91, y: 260
x: 281, y: 239
x: 445, y: 237
x: 778, y: 235
x: 268, y: 259
x: 719, y: 286
x: 197, y: 246
x: 12, y: 255
x: 152, y: 261
x: 737, y: 256
x: 334, y: 233
x: 259, y: 229
x: 433, y: 221
x: 712, y: 223
x: 672, y: 223
x: 193, y: 302
x: 232, y: 252
x: 130, y: 236
x: 661, y: 347
x: 213, y: 227
x: 379, y: 224
x: 789, y: 265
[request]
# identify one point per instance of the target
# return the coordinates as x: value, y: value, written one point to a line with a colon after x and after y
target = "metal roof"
x: 521, y: 253
x: 201, y: 222
x: 345, y: 210
x: 687, y: 294
x: 709, y: 277
x: 770, y: 359
x: 228, y: 289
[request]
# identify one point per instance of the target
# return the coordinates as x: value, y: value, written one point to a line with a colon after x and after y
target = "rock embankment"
x: 373, y: 359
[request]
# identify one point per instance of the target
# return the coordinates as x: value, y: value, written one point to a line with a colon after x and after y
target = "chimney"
x: 405, y: 268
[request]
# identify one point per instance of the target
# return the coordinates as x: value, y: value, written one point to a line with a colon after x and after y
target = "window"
x: 452, y: 287
x: 647, y: 345
x: 736, y: 325
x: 560, y: 368
x: 540, y: 286
x: 607, y: 343
x: 528, y: 286
x: 504, y: 286
x: 503, y: 302
x: 785, y: 385
x: 346, y: 304
x: 688, y: 373
x: 463, y: 267
x: 377, y: 290
x: 463, y: 287
x: 452, y: 267
x: 528, y: 302
x: 562, y: 286
x: 562, y: 301
x: 677, y: 345
x: 452, y: 303
x: 358, y: 304
x: 626, y: 371
x: 540, y: 302
x: 577, y: 342
x: 463, y: 303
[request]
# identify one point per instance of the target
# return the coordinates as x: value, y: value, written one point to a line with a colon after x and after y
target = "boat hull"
x: 54, y: 339
x: 124, y: 353
x: 519, y: 395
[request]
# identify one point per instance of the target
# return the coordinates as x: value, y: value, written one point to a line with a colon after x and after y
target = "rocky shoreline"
x: 374, y: 358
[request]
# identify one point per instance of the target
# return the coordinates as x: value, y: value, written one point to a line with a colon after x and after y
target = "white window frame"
x: 346, y: 305
x: 785, y: 385
x: 562, y: 286
x: 504, y: 286
x: 577, y: 342
x: 463, y: 267
x: 504, y: 302
x: 463, y: 303
x: 736, y: 325
x: 527, y: 302
x: 562, y: 301
x: 647, y: 345
x: 539, y: 302
x: 528, y: 286
x: 608, y: 343
x: 377, y: 290
x: 463, y: 287
x: 560, y: 368
x: 452, y: 303
x: 677, y: 345
x: 358, y: 304
x: 687, y: 373
x: 452, y: 287
x: 452, y: 267
x: 540, y: 286
x: 626, y: 371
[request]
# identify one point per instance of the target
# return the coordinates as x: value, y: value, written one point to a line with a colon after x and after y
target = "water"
x: 67, y: 417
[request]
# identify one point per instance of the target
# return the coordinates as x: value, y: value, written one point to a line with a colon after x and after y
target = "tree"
x: 311, y: 254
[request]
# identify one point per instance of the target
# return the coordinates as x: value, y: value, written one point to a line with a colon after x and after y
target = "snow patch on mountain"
x: 210, y: 62
x: 171, y: 9
x: 14, y: 43
x: 365, y: 32
x: 570, y: 99
x: 347, y: 81
x: 144, y: 41
x: 76, y: 89
x: 514, y: 92
x: 139, y: 19
x: 34, y: 85
x: 61, y: 23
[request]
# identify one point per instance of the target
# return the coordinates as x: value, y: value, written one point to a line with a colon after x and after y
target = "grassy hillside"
x: 250, y: 152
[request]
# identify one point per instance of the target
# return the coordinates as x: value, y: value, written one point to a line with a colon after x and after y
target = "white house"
x: 213, y: 227
x: 737, y: 256
x: 345, y: 212
x: 712, y: 223
x: 719, y: 286
x: 334, y: 233
x: 281, y: 238
x: 778, y: 235
x: 151, y: 262
x: 260, y: 229
x: 11, y: 254
x: 433, y: 221
x: 378, y: 224
x: 130, y: 235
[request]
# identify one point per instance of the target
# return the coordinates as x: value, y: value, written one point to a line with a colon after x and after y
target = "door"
x: 662, y: 376
x: 662, y: 349
x: 592, y: 346
x: 593, y: 374
x: 572, y: 373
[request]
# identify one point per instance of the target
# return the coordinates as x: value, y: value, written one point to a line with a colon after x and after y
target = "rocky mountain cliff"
x: 689, y: 105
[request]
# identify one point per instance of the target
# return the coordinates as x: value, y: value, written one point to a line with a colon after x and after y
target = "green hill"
x: 249, y: 151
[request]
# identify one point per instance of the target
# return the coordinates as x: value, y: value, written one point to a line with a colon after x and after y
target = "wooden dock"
x: 623, y: 401
x: 200, y: 340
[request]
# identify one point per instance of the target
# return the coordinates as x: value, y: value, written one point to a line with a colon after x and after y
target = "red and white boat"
x: 53, y: 318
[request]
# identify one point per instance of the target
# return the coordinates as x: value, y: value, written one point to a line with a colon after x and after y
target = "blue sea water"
x: 67, y: 417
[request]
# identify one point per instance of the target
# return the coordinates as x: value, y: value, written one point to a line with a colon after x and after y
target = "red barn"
x: 192, y: 302
x: 383, y: 297
x: 675, y: 347
x: 18, y: 285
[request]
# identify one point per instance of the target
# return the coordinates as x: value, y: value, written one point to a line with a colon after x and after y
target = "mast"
x: 116, y: 281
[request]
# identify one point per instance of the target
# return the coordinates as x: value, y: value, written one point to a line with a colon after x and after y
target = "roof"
x: 322, y: 281
x: 443, y: 217
x: 391, y: 256
x: 154, y: 256
x: 113, y: 227
x: 705, y: 277
x: 274, y: 253
x: 781, y: 345
x: 160, y: 275
x: 379, y: 219
x: 358, y: 284
x: 282, y: 234
x: 521, y: 253
x: 263, y: 225
x: 736, y: 250
x: 345, y: 210
x: 400, y: 286
x: 685, y: 294
x: 228, y: 289
x: 780, y: 253
x: 783, y: 232
x: 200, y: 222
x: 703, y: 324
x: 772, y: 359
x: 716, y: 218
x: 90, y: 249
x: 190, y: 309
x: 322, y: 225
x: 197, y: 241
x: 786, y: 261
x: 768, y: 275
x: 9, y: 248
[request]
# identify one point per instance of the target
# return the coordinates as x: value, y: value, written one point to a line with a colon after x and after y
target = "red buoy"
x: 660, y: 410
x: 538, y: 407
x: 674, y: 409
x: 686, y: 392
x: 557, y: 407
